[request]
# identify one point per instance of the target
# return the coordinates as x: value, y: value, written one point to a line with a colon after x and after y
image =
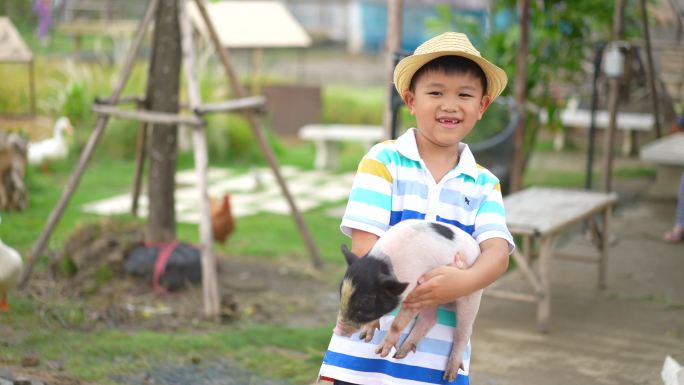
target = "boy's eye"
x: 435, y: 93
x: 465, y: 95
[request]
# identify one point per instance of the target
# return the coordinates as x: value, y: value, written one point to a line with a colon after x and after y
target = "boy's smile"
x: 446, y: 107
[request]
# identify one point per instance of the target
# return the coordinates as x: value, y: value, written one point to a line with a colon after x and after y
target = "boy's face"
x: 446, y: 107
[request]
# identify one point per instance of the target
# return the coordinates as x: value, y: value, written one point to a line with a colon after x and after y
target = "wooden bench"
x: 327, y: 139
x: 667, y: 154
x: 540, y: 216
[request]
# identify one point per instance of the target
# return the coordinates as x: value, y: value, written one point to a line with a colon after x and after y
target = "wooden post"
x: 100, y: 125
x: 257, y: 62
x: 32, y: 85
x: 520, y: 98
x: 392, y: 45
x: 258, y: 132
x: 140, y: 154
x: 651, y: 67
x: 199, y: 139
x: 613, y: 99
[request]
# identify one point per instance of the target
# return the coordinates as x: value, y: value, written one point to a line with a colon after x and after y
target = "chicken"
x: 222, y: 221
x: 53, y: 148
x: 10, y: 272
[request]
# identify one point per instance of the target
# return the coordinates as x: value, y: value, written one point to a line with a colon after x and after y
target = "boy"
x: 427, y: 173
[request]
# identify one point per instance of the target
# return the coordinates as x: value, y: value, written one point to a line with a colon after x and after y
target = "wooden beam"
x: 252, y: 102
x: 524, y: 297
x: 209, y: 281
x: 651, y: 67
x: 140, y: 155
x: 146, y: 116
x: 613, y: 101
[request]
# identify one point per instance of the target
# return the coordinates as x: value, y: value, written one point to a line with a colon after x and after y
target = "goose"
x: 39, y: 153
x: 10, y: 272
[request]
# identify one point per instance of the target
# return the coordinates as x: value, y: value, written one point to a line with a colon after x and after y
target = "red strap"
x: 165, y: 250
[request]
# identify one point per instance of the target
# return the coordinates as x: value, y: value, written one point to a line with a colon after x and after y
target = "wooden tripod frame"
x: 244, y: 104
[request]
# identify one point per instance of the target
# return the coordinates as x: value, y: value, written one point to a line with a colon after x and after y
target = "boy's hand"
x: 436, y: 287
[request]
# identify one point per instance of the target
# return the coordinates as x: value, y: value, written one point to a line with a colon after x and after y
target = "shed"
x: 13, y: 49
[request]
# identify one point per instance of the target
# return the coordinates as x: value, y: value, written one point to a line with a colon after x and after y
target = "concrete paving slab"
x: 251, y: 192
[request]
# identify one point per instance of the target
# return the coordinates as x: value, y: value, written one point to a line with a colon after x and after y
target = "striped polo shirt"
x: 392, y: 184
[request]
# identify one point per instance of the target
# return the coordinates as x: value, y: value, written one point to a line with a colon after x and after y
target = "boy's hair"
x: 451, y: 65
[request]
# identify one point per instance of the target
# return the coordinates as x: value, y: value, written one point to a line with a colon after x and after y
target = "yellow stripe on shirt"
x: 373, y: 167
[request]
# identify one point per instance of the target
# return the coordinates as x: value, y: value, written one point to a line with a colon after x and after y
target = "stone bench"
x: 629, y: 122
x: 327, y: 139
x: 667, y: 154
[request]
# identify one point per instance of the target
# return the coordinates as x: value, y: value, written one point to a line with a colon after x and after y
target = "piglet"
x: 377, y: 283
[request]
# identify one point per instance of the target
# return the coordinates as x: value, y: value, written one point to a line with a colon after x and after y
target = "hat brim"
x: 407, y: 67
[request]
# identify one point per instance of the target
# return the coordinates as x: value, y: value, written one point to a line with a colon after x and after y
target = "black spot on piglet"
x: 443, y: 230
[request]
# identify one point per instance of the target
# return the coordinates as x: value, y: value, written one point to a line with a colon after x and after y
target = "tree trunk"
x: 162, y: 95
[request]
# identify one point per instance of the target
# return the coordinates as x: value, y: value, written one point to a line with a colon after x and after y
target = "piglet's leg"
x: 466, y: 311
x: 426, y: 320
x: 368, y: 330
x: 392, y: 337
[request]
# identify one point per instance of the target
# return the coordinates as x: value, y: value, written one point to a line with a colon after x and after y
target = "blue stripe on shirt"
x: 398, y: 216
x: 397, y: 370
x: 490, y: 227
x: 365, y: 220
x: 484, y: 178
x: 492, y: 207
x: 388, y: 156
x: 412, y: 188
x: 467, y: 228
x: 459, y: 199
x: 371, y: 197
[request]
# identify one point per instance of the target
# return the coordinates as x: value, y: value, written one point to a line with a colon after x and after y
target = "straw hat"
x: 448, y: 43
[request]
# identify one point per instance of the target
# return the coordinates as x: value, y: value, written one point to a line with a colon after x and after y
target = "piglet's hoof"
x: 368, y: 331
x: 451, y: 371
x: 404, y: 350
x: 383, y: 349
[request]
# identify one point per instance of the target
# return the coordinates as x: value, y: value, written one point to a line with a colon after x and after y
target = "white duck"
x: 52, y: 148
x: 10, y: 272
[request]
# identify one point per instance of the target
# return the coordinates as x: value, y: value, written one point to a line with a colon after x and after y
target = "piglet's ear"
x: 392, y: 286
x: 348, y: 255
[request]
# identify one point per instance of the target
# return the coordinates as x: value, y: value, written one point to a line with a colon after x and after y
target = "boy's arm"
x: 362, y: 242
x: 447, y: 283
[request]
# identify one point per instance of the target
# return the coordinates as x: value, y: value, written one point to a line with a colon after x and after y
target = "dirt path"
x: 618, y: 336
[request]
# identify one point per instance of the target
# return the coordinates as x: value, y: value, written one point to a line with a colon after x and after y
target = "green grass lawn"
x: 95, y: 356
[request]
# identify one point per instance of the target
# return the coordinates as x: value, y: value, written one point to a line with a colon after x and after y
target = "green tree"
x: 562, y: 38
